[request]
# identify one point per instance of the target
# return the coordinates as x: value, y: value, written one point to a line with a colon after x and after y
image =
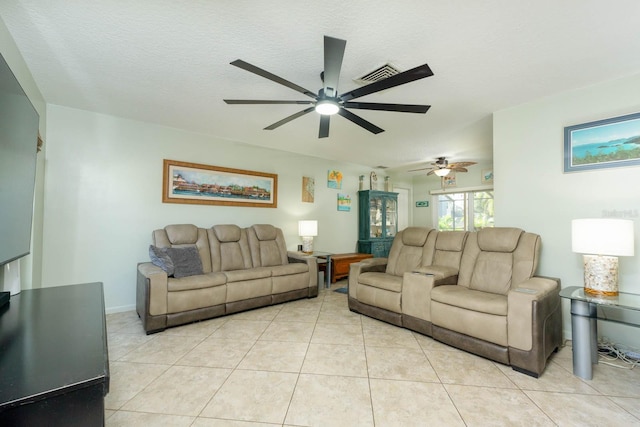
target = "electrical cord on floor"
x: 609, y: 352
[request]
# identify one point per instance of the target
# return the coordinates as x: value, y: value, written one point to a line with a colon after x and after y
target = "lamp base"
x: 601, y: 275
x: 307, y: 245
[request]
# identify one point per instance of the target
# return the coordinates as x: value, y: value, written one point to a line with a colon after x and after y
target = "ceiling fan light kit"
x: 327, y: 107
x: 327, y: 102
x: 441, y: 167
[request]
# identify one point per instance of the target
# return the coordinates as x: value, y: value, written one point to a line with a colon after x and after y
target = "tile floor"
x: 314, y: 363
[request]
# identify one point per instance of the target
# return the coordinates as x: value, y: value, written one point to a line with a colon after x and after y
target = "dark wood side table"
x: 340, y: 264
x: 54, y: 365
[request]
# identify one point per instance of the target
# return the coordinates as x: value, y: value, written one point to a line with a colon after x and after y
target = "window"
x: 469, y: 210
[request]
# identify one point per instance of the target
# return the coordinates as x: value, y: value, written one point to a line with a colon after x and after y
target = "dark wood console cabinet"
x: 54, y: 365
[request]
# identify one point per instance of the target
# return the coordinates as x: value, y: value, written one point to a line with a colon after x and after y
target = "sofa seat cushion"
x: 248, y: 289
x: 199, y: 281
x: 469, y: 299
x: 487, y: 327
x: 288, y: 269
x: 380, y: 298
x: 195, y: 299
x: 248, y: 274
x: 384, y: 281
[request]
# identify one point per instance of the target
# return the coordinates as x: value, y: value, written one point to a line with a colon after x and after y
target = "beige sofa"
x: 473, y: 290
x: 241, y: 269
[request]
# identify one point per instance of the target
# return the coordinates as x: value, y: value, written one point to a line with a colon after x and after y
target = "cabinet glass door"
x: 375, y: 217
x: 391, y: 220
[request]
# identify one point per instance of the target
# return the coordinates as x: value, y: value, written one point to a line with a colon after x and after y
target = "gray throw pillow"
x: 186, y: 261
x: 160, y: 258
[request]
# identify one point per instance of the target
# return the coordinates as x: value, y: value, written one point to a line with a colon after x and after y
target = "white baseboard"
x: 120, y: 309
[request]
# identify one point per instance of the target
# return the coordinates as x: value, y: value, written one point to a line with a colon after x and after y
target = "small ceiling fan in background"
x: 327, y: 101
x: 442, y: 167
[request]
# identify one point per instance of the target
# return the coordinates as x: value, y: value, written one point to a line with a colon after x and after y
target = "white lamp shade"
x: 602, y: 236
x: 308, y: 228
x: 442, y: 172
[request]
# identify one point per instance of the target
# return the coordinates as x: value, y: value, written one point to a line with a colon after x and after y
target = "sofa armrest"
x: 370, y: 264
x: 378, y: 265
x: 312, y: 263
x: 531, y: 303
x: 298, y: 257
x: 152, y: 289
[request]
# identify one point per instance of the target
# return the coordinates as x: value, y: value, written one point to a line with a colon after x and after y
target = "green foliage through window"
x: 471, y: 211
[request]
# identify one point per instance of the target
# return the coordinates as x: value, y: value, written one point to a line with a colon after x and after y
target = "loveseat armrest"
x: 529, y: 306
x: 152, y: 289
x: 369, y: 264
x: 299, y: 257
x: 312, y: 263
x: 378, y: 265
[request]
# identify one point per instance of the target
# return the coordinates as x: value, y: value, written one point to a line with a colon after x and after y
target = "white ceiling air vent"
x: 380, y: 73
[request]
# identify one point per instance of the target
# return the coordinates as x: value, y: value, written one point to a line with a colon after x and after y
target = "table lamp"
x: 601, y: 241
x: 307, y: 229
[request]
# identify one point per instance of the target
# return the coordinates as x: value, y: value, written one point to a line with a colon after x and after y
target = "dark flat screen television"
x: 18, y: 150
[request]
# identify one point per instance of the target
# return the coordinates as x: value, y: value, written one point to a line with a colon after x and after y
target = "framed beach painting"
x: 344, y: 202
x: 194, y: 183
x: 334, y: 179
x: 607, y: 143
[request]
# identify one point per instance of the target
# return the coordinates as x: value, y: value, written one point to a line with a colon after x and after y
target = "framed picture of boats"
x: 607, y: 143
x: 194, y: 183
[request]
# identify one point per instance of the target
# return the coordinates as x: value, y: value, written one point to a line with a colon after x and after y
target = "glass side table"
x: 323, y: 258
x: 586, y: 309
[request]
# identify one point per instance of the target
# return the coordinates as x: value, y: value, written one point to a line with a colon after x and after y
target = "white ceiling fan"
x: 442, y: 167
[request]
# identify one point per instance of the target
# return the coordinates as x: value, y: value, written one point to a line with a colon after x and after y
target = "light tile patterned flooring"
x: 314, y: 363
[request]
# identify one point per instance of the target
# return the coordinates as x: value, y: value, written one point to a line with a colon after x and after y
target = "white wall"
x: 103, y: 196
x: 533, y: 193
x: 30, y: 265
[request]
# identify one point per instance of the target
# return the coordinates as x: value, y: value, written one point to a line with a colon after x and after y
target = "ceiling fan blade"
x: 416, y: 170
x: 458, y: 169
x: 324, y: 127
x: 288, y: 119
x: 431, y: 172
x: 333, y: 54
x: 461, y: 164
x: 360, y: 121
x: 411, y: 75
x: 261, y: 101
x: 401, y: 108
x: 267, y: 75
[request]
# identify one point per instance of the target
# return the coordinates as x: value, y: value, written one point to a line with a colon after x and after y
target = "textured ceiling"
x: 167, y: 62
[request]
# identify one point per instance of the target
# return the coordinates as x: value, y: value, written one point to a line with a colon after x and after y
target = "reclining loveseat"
x: 220, y: 270
x: 473, y: 290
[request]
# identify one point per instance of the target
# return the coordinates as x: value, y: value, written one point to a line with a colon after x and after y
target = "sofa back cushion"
x: 267, y: 245
x: 406, y: 250
x: 229, y: 248
x: 495, y: 259
x: 448, y: 248
x: 184, y: 235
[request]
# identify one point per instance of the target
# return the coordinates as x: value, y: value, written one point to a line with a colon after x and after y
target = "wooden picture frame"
x: 607, y: 143
x: 199, y: 184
